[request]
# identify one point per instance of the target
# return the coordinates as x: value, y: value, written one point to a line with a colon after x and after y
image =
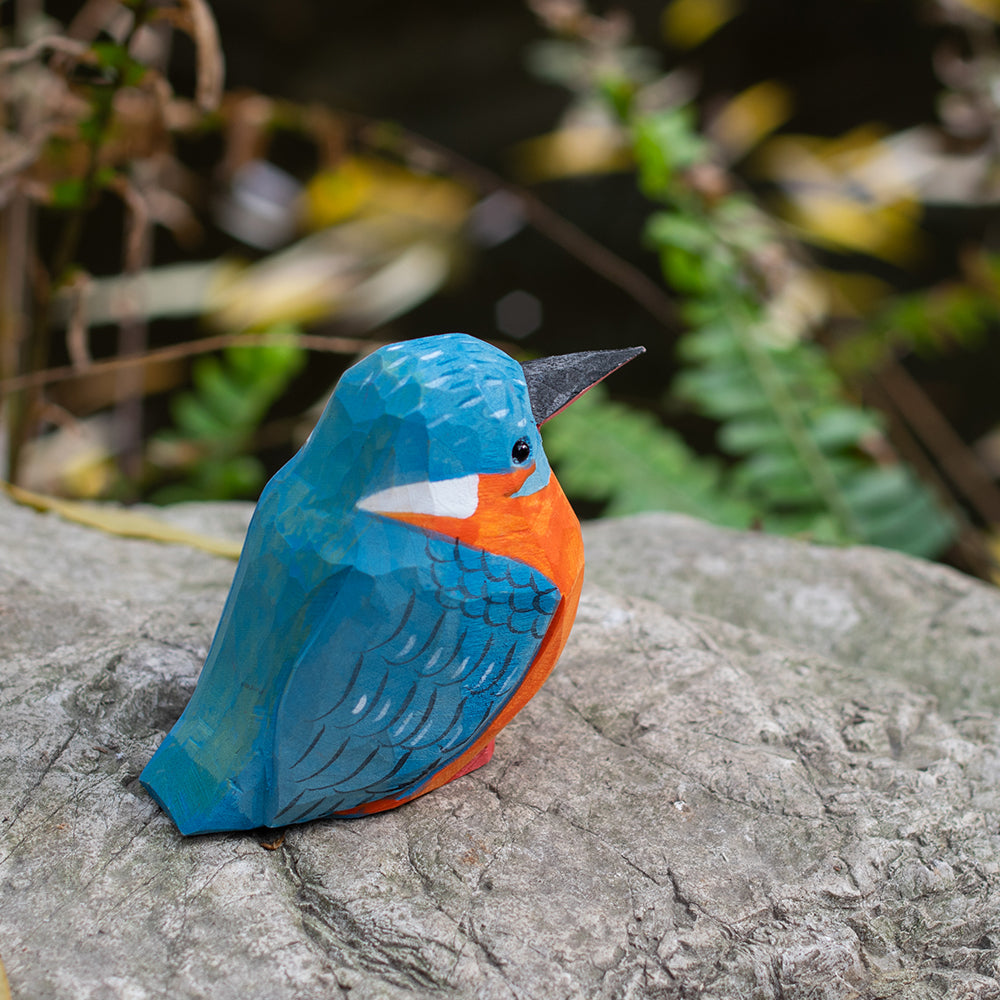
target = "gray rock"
x: 876, y: 610
x: 761, y: 770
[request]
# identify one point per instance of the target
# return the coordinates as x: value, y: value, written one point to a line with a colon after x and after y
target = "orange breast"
x: 540, y: 530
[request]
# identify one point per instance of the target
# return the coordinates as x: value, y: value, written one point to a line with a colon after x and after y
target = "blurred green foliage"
x: 211, y: 443
x: 930, y: 322
x: 776, y: 351
x: 611, y: 453
x: 801, y: 460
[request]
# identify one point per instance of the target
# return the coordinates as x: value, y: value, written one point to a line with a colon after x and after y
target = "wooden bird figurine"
x: 407, y: 583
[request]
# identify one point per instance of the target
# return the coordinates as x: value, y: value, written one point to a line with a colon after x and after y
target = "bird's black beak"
x: 553, y: 383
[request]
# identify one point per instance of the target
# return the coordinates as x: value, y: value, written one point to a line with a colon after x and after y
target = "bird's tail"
x: 198, y: 792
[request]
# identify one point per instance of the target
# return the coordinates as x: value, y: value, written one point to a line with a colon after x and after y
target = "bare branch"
x: 321, y: 345
x: 959, y: 462
x: 76, y: 329
x: 96, y: 16
x: 49, y: 43
x: 555, y: 227
x: 196, y: 19
x: 138, y: 222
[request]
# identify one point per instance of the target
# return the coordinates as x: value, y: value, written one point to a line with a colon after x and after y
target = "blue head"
x: 430, y: 410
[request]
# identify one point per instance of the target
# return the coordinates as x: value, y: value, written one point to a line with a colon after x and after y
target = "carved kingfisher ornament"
x: 407, y: 583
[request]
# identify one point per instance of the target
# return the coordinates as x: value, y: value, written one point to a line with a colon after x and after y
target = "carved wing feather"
x: 406, y: 669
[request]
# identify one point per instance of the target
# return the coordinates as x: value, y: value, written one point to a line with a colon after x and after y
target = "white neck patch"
x: 445, y: 498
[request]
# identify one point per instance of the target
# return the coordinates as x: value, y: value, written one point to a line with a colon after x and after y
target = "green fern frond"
x: 801, y: 451
x: 610, y: 453
x: 215, y: 422
x: 801, y: 444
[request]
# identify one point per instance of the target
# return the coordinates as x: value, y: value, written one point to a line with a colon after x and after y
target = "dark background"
x: 456, y: 72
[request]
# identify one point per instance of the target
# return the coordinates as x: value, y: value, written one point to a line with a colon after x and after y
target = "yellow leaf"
x: 89, y: 475
x: 993, y: 544
x: 368, y: 271
x: 72, y: 461
x: 4, y: 985
x: 815, y: 159
x: 367, y: 184
x: 125, y: 523
x: 687, y: 23
x: 853, y: 294
x: 335, y: 195
x: 293, y: 286
x: 572, y: 152
x: 834, y: 219
x: 847, y: 193
x: 987, y: 8
x: 751, y: 115
x: 426, y: 198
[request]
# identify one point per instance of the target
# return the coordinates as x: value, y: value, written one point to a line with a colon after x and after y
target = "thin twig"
x: 15, y: 236
x: 96, y: 16
x: 324, y: 345
x: 954, y: 457
x: 51, y: 43
x: 969, y: 547
x: 195, y: 18
x: 555, y: 227
x: 132, y: 334
x: 16, y: 225
x: 77, y: 343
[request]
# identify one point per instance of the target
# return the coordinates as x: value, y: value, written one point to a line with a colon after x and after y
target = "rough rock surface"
x: 761, y: 770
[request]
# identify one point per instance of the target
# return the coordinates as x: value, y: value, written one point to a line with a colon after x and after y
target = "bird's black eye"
x: 521, y: 451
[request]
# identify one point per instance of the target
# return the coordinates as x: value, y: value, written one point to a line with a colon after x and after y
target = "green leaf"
x: 663, y: 143
x: 722, y: 393
x: 744, y: 436
x: 196, y: 420
x: 912, y: 523
x: 236, y: 477
x: 843, y: 427
x: 777, y: 474
x: 91, y: 130
x: 68, y: 193
x: 235, y: 404
x: 109, y: 55
x: 618, y: 90
x: 782, y: 410
x: 605, y: 451
x: 878, y: 486
x: 685, y: 271
x: 670, y: 229
x: 231, y: 396
x: 133, y: 73
x: 105, y: 177
x: 811, y: 523
x: 712, y: 343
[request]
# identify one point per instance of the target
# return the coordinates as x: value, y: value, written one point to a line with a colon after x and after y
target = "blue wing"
x: 407, y: 668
